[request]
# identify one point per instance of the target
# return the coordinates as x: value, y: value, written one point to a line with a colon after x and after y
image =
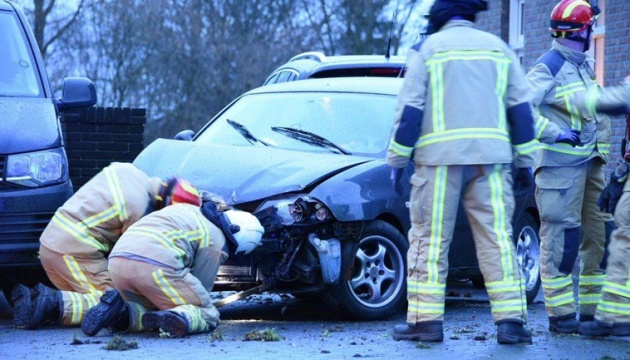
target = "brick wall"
x: 97, y: 136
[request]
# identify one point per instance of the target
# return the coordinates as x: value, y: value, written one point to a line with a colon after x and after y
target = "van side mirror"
x: 77, y: 92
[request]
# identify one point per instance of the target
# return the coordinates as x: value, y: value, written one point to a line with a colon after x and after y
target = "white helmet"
x: 250, y: 232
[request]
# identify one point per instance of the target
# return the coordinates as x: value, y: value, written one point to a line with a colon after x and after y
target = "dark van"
x: 34, y: 178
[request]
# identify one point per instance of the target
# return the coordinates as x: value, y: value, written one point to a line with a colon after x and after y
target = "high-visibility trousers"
x: 82, y: 281
x: 488, y: 199
x: 149, y: 287
x: 572, y: 224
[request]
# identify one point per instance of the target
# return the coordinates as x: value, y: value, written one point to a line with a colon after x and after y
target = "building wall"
x: 97, y: 136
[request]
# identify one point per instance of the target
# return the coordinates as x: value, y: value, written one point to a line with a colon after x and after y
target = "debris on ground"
x: 118, y: 343
x: 216, y: 335
x: 77, y: 341
x: 422, y: 345
x: 268, y: 334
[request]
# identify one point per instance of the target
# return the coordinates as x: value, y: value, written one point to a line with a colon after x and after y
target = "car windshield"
x: 17, y: 73
x: 358, y: 124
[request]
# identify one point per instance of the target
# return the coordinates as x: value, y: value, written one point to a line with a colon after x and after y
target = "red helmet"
x: 572, y: 15
x: 177, y: 190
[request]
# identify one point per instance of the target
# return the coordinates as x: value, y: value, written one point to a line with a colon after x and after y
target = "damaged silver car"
x: 308, y: 159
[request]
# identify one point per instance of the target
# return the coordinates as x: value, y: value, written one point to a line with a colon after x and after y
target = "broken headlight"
x: 302, y: 210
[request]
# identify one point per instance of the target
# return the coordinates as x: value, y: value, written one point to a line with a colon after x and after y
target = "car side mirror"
x: 77, y: 92
x: 185, y: 135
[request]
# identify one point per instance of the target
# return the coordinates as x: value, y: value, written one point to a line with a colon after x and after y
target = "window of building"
x: 517, y: 29
x: 599, y: 43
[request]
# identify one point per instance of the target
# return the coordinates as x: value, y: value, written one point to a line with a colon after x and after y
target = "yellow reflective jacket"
x: 462, y: 82
x: 555, y: 79
x: 178, y: 237
x: 101, y: 210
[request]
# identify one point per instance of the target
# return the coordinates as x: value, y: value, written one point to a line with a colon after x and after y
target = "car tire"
x: 377, y: 287
x: 527, y: 244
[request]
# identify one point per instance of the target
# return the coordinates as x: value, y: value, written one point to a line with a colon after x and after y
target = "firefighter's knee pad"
x: 570, y: 249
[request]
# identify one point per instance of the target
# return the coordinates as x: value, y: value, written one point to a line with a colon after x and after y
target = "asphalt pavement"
x: 305, y: 329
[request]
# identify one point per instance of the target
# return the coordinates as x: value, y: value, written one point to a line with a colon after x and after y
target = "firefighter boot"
x: 566, y: 324
x: 21, y: 297
x: 46, y: 307
x: 110, y: 312
x: 168, y: 322
x: 429, y: 331
x: 513, y: 332
x: 598, y: 328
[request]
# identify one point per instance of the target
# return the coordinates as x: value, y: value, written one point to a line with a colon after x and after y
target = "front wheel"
x: 376, y: 289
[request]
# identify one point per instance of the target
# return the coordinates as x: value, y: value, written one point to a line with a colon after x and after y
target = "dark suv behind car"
x: 313, y: 65
x: 34, y: 178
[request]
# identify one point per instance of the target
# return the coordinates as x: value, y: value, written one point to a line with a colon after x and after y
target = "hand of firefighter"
x: 522, y: 180
x: 569, y: 136
x: 609, y: 198
x: 395, y: 176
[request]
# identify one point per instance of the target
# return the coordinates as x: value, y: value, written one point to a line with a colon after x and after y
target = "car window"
x: 359, y: 123
x: 18, y: 76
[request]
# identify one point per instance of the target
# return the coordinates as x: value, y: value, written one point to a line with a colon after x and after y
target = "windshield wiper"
x: 246, y: 133
x: 310, y: 138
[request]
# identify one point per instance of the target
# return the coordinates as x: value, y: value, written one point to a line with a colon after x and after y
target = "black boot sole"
x: 23, y: 307
x: 167, y: 322
x: 101, y: 315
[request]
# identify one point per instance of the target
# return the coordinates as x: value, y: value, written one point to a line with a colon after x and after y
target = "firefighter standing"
x: 74, y: 246
x: 569, y: 173
x: 463, y: 107
x: 612, y: 316
x: 164, y: 268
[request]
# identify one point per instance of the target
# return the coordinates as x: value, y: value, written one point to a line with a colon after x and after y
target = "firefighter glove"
x: 569, y: 136
x: 612, y: 192
x: 395, y: 176
x: 523, y: 180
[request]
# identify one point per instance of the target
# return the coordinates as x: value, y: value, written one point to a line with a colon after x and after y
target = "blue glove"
x: 395, y: 176
x: 609, y: 198
x: 523, y: 181
x: 569, y: 136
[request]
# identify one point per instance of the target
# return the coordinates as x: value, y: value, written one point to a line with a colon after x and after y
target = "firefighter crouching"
x: 164, y: 267
x: 74, y: 245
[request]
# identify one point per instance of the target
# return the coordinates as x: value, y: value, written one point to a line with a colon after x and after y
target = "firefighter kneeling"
x: 164, y: 267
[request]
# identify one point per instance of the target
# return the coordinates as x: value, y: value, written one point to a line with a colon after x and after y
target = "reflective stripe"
x: 590, y: 100
x: 437, y: 93
x: 399, y: 149
x: 425, y: 307
x: 588, y: 280
x: 507, y: 305
x: 586, y: 299
x: 569, y: 89
x: 416, y: 287
x: 101, y: 217
x: 465, y: 133
x: 562, y: 299
x: 160, y: 237
x: 167, y: 288
x: 503, y: 286
x: 527, y: 147
x: 79, y: 231
x: 603, y: 148
x: 613, y: 288
x: 567, y: 149
x: 541, y: 124
x: 566, y: 14
x: 77, y: 307
x: 614, y: 308
x: 500, y: 221
x: 77, y: 273
x: 437, y: 220
x: 557, y: 283
x: 117, y: 194
x: 566, y: 92
x: 501, y: 87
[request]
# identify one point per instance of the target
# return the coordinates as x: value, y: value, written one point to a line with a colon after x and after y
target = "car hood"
x: 28, y: 124
x: 241, y: 174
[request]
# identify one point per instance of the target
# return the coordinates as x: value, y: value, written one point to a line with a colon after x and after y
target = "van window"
x: 18, y: 75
